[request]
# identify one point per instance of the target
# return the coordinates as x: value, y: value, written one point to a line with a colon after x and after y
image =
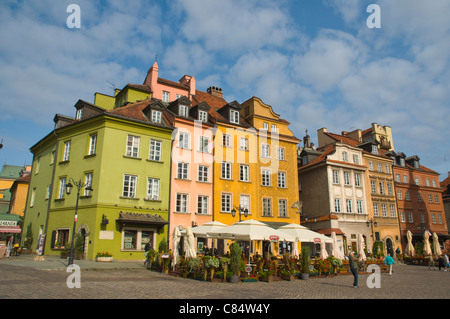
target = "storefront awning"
x: 10, y: 229
x: 134, y: 218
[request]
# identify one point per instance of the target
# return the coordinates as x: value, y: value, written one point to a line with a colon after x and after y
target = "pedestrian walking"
x: 431, y: 262
x: 446, y: 262
x: 390, y: 262
x: 353, y: 263
x: 146, y: 249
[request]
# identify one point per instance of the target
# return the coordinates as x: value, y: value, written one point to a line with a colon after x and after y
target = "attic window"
x: 234, y: 116
x: 402, y: 162
x: 183, y: 110
x: 156, y: 116
x: 203, y: 116
x: 416, y: 164
x: 374, y: 149
x: 79, y: 114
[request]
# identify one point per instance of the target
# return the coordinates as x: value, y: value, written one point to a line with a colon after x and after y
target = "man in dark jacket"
x: 353, y: 263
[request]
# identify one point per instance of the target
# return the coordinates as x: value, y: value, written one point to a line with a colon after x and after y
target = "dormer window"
x: 183, y: 110
x: 156, y: 116
x: 374, y: 149
x: 79, y: 114
x: 234, y: 116
x: 416, y: 164
x: 203, y: 116
x: 402, y: 162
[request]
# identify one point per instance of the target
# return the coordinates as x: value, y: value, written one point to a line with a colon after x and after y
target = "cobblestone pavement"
x: 26, y: 279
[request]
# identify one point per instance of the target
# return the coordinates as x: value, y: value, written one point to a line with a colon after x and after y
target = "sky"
x: 317, y: 63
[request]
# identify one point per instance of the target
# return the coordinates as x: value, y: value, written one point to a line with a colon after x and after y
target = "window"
x: 38, y: 165
x: 402, y: 162
x: 204, y: 142
x: 422, y: 218
x: 33, y: 197
x: 182, y: 170
x: 92, y: 144
x: 357, y: 180
x: 265, y: 151
x: 384, y: 210
x: 335, y: 177
x: 375, y: 210
x: 202, y: 205
x: 405, y: 179
x: 349, y: 206
x: 337, y: 205
x: 226, y: 203
x: 165, y: 96
x: 133, y: 146
x: 129, y: 186
x: 379, y: 167
x: 244, y: 173
x: 410, y: 217
x: 433, y: 182
x: 345, y: 156
x: 234, y: 116
x: 267, y: 206
x: 137, y: 239
x: 61, y: 237
x: 265, y: 126
x: 392, y: 210
x: 152, y: 188
x: 397, y: 178
x: 280, y: 153
x: 427, y: 182
x: 183, y: 140
x: 347, y: 178
x: 87, y: 182
x: 183, y: 110
x: 226, y: 140
x: 417, y: 181
x: 244, y: 202
x: 62, y: 187
x: 387, y: 169
x: 155, y: 150
x: 181, y: 203
x: 389, y: 187
x: 359, y: 206
x: 371, y: 166
x: 430, y: 198
x: 265, y: 175
x: 433, y: 218
x: 203, y: 173
x: 402, y: 217
x: 374, y: 149
x: 399, y: 195
x: 373, y: 187
x: 381, y: 188
x: 273, y: 128
x: 79, y: 114
x: 419, y: 197
x: 440, y: 218
x: 436, y: 198
x: 66, y: 151
x: 407, y: 196
x: 156, y: 116
x: 282, y: 208
x: 203, y: 116
x: 49, y: 189
x: 226, y: 170
x: 244, y: 144
x: 355, y: 159
x: 282, y: 179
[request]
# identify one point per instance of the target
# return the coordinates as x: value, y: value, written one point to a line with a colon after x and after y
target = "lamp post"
x: 371, y: 223
x: 79, y: 185
x: 241, y: 210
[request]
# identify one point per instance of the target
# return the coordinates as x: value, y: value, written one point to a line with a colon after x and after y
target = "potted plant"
x: 225, y: 261
x: 104, y: 257
x: 305, y: 263
x: 212, y: 263
x: 235, y: 261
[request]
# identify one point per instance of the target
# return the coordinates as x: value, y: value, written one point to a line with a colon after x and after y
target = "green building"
x: 124, y: 154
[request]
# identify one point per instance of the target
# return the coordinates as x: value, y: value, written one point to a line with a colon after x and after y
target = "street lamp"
x: 241, y: 210
x: 79, y: 185
x: 371, y: 223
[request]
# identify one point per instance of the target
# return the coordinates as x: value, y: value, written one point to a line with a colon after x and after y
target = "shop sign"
x: 317, y: 240
x: 165, y: 256
x: 8, y: 223
x: 274, y: 238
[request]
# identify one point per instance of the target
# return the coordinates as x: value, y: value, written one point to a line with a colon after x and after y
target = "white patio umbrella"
x: 303, y: 234
x: 190, y: 250
x: 426, y: 243
x: 294, y: 251
x: 202, y: 231
x: 436, y: 246
x: 323, y: 251
x: 409, y: 247
x: 248, y: 230
x: 336, y: 248
x: 176, y: 242
x: 361, y: 247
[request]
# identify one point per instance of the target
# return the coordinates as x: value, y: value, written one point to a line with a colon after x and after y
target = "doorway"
x: 389, y: 246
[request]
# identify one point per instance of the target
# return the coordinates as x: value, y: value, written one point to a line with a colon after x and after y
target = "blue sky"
x: 316, y: 62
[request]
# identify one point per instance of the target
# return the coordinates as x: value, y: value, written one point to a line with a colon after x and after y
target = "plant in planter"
x: 305, y: 263
x: 235, y: 261
x: 225, y: 262
x: 212, y: 264
x: 267, y: 271
x: 104, y: 256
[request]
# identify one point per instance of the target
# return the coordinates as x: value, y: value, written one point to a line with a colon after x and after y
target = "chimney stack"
x: 215, y: 91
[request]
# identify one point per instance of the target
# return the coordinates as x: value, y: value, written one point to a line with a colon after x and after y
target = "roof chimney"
x: 215, y: 91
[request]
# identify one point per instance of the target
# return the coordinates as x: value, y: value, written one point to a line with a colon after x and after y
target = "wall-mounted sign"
x: 8, y: 223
